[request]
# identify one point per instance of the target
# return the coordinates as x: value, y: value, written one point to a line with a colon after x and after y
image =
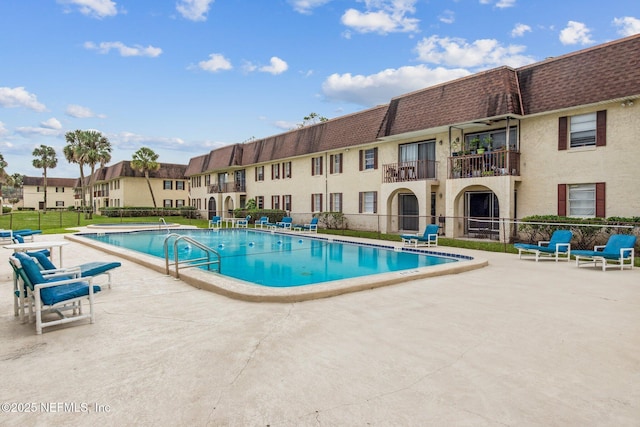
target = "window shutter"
x: 320, y: 203
x: 290, y: 170
x: 562, y: 199
x: 313, y: 203
x: 361, y: 158
x: 375, y: 158
x: 321, y: 172
x: 375, y: 202
x: 331, y: 196
x: 313, y: 166
x: 601, y: 128
x: 340, y: 163
x: 331, y: 157
x: 562, y: 133
x: 256, y: 173
x: 360, y: 197
x: 600, y: 200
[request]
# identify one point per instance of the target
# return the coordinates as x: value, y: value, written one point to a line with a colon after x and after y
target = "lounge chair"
x: 89, y: 269
x: 243, y: 223
x: 23, y: 233
x: 285, y: 223
x: 312, y: 227
x: 428, y: 238
x: 262, y: 222
x: 559, y: 245
x: 52, y: 295
x: 215, y: 222
x: 619, y: 251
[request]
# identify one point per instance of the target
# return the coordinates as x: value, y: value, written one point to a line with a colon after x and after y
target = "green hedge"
x: 130, y: 212
x: 274, y: 215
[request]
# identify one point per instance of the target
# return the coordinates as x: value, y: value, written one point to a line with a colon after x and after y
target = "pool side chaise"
x: 558, y: 246
x: 619, y: 251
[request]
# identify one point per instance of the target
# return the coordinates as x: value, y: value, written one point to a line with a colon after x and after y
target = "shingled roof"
x: 601, y: 73
x: 51, y: 182
x: 124, y: 169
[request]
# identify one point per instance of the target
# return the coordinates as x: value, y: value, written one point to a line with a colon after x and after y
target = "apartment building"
x: 557, y: 137
x: 60, y: 192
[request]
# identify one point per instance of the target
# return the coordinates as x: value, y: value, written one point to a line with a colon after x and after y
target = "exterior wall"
x: 544, y: 166
x: 134, y: 192
x: 32, y: 197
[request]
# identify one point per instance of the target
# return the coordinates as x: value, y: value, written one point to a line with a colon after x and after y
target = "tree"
x: 95, y: 149
x: 3, y: 172
x: 144, y: 160
x: 74, y: 153
x: 45, y: 158
x: 312, y: 119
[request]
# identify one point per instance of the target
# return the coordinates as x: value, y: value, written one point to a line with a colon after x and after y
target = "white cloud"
x: 135, y: 50
x: 216, y: 62
x: 52, y: 123
x: 94, y: 8
x: 80, y: 112
x: 130, y: 140
x: 627, y: 25
x: 505, y: 3
x: 378, y: 88
x: 3, y: 130
x: 447, y: 17
x: 285, y: 125
x: 574, y: 33
x: 520, y: 29
x: 382, y: 16
x: 482, y: 53
x: 277, y: 66
x: 305, y: 6
x: 194, y: 10
x: 28, y: 131
x: 19, y: 97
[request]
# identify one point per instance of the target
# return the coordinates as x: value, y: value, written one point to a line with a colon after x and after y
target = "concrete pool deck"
x: 515, y: 343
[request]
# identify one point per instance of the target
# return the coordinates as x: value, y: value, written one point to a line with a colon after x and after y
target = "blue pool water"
x: 277, y: 260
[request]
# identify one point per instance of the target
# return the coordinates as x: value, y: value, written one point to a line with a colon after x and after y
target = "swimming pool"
x: 279, y: 259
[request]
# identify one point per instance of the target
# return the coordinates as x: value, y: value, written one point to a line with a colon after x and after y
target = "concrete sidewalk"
x: 516, y: 343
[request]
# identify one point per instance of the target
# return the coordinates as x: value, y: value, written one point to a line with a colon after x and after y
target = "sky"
x: 183, y: 77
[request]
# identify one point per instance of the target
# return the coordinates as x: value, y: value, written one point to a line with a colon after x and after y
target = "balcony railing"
x: 491, y: 163
x: 417, y: 170
x: 228, y: 187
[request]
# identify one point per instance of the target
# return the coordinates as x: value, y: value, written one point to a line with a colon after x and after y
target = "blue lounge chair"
x: 215, y: 222
x: 243, y: 223
x: 262, y: 222
x: 52, y: 295
x: 428, y: 238
x: 559, y: 245
x: 285, y: 223
x: 619, y: 251
x: 311, y: 227
x: 25, y: 232
x: 89, y: 269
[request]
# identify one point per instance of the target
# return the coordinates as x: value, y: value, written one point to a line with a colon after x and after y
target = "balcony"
x: 491, y: 163
x: 228, y: 187
x: 418, y: 170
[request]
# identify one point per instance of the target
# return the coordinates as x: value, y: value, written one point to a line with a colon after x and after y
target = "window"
x: 179, y: 185
x: 167, y: 203
x: 286, y: 202
x: 335, y: 163
x: 275, y: 202
x: 368, y: 202
x: 369, y: 159
x: 286, y: 170
x: 584, y: 130
x: 316, y: 202
x: 167, y: 185
x: 259, y: 173
x: 260, y: 202
x: 275, y: 171
x: 316, y: 166
x: 196, y: 181
x: 335, y: 202
x: 179, y: 203
x: 207, y: 181
x: 60, y: 190
x: 582, y: 200
x: 59, y: 204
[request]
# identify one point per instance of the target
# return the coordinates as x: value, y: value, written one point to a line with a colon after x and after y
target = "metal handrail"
x: 193, y: 262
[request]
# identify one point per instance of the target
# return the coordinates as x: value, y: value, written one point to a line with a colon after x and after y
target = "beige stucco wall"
x: 134, y: 192
x: 32, y: 197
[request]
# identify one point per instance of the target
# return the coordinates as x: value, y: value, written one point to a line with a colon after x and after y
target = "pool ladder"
x: 212, y: 257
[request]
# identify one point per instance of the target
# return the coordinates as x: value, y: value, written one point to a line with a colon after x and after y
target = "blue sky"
x: 183, y: 77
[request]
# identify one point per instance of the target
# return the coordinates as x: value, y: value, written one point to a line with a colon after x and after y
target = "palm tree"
x: 144, y: 160
x: 95, y: 149
x: 74, y: 153
x: 45, y: 158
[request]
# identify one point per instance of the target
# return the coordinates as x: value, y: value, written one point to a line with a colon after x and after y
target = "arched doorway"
x: 408, y: 212
x: 211, y: 207
x: 482, y: 213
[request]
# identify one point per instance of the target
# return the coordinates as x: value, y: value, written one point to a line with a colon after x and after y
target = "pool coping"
x: 240, y: 290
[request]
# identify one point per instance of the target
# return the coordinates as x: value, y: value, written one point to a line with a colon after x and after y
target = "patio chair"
x: 312, y: 227
x: 428, y: 238
x: 285, y: 223
x: 53, y: 295
x: 89, y: 269
x: 215, y: 222
x: 619, y: 251
x: 262, y: 222
x: 26, y: 233
x: 243, y: 223
x: 558, y: 246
